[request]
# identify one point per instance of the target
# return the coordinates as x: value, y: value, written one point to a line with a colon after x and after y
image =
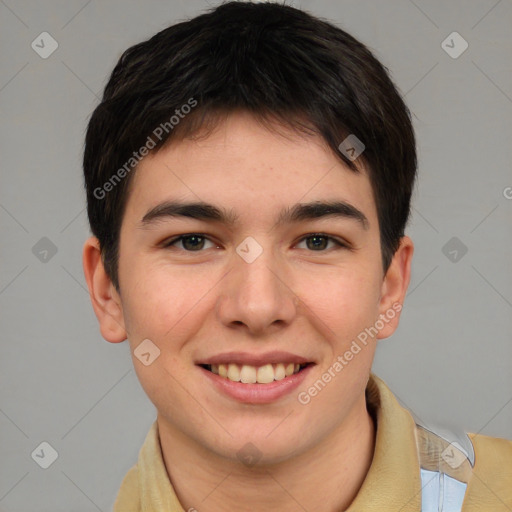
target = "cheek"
x: 345, y: 301
x: 160, y: 302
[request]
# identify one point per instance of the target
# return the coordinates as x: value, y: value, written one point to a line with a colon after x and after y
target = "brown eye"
x: 192, y: 242
x: 318, y: 242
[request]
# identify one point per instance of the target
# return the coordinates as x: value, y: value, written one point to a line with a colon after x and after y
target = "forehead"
x: 254, y: 171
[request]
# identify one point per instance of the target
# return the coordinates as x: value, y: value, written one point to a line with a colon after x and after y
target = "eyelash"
x: 171, y: 242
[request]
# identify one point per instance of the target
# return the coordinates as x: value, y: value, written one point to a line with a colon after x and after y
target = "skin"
x: 293, y: 297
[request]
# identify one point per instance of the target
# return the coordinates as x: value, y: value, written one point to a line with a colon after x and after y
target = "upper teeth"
x: 252, y: 374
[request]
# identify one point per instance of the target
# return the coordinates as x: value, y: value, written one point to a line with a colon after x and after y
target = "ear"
x: 106, y: 302
x: 394, y: 287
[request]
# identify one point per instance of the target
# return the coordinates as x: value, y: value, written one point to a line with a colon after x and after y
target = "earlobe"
x: 394, y: 287
x: 105, y: 300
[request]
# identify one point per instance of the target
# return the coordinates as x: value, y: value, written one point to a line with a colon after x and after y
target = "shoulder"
x: 491, y: 479
x: 492, y: 449
x: 128, y: 499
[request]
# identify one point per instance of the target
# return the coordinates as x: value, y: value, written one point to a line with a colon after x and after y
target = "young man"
x: 249, y: 175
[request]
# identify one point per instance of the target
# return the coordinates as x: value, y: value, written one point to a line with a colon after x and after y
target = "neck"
x: 325, y: 478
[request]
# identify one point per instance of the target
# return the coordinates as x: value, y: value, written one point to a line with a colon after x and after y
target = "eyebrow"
x: 211, y: 213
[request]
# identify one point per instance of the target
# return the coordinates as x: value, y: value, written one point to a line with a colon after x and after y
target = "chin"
x: 257, y: 448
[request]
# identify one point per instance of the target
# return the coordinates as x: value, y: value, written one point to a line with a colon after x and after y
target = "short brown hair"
x: 272, y: 60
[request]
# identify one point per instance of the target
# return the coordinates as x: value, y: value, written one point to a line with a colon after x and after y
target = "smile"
x: 248, y: 374
x: 255, y: 378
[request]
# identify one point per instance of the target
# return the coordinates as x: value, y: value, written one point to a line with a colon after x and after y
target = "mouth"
x: 249, y: 374
x: 251, y: 379
x: 254, y: 378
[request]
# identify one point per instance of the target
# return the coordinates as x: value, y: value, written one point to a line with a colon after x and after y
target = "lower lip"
x: 257, y: 393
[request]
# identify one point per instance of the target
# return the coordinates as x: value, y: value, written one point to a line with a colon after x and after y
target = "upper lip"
x: 246, y: 358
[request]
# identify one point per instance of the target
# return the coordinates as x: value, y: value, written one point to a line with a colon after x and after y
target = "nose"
x: 258, y: 296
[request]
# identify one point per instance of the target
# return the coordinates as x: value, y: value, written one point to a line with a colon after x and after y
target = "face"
x: 252, y: 290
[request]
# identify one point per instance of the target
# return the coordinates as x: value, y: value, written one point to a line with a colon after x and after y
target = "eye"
x: 319, y: 241
x: 195, y: 242
x: 191, y: 242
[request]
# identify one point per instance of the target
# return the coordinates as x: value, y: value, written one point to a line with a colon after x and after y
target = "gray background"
x: 449, y: 361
